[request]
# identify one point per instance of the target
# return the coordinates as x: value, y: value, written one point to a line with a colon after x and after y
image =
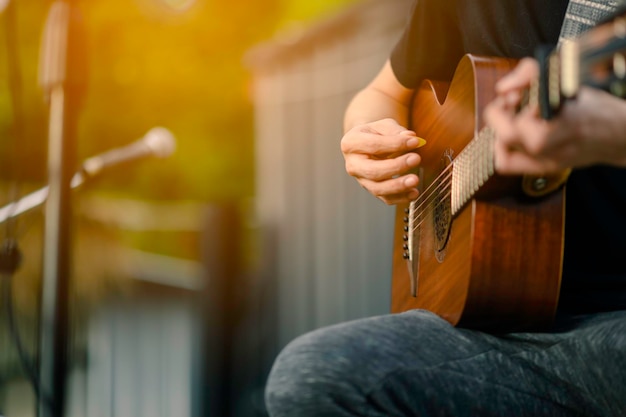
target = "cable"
x: 10, y: 260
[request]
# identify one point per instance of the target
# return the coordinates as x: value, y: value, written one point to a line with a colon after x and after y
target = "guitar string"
x: 438, y: 181
x: 415, y: 227
x: 443, y: 183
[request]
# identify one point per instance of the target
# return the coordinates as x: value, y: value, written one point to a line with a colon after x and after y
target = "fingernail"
x: 412, y: 159
x: 415, y: 142
x: 410, y: 182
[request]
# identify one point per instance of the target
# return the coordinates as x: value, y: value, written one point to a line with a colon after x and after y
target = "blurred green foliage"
x: 172, y: 63
x: 149, y: 62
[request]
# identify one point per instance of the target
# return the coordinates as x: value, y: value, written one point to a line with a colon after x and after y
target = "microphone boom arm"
x: 157, y: 142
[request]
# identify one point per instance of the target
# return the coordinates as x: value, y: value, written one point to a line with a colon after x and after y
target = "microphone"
x: 158, y: 142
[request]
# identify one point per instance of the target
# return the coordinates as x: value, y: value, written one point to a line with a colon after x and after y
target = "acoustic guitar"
x: 482, y: 250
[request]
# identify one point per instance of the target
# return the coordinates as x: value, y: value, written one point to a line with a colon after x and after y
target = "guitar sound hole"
x: 442, y: 214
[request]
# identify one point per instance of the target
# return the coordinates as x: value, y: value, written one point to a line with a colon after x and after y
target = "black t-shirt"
x: 437, y: 35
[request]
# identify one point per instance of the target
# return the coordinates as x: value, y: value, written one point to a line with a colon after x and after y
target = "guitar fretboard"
x: 472, y: 168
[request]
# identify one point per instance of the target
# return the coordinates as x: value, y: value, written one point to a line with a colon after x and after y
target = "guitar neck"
x: 472, y: 168
x: 595, y: 59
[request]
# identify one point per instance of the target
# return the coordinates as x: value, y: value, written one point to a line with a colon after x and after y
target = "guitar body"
x: 495, y: 264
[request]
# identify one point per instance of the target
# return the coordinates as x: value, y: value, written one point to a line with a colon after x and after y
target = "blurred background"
x: 190, y: 273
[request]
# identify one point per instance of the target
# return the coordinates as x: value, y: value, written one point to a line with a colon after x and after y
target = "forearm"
x: 370, y: 105
x: 383, y: 98
x: 613, y: 127
x: 376, y: 144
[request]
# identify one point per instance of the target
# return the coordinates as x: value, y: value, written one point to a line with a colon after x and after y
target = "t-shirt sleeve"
x: 431, y: 44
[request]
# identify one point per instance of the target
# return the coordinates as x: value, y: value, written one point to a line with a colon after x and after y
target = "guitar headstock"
x: 597, y: 59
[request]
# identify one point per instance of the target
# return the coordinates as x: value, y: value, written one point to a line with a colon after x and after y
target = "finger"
x: 373, y: 143
x: 387, y: 126
x: 516, y: 161
x: 392, y: 190
x: 500, y: 118
x: 524, y: 73
x: 363, y: 166
x: 400, y: 198
x: 533, y: 134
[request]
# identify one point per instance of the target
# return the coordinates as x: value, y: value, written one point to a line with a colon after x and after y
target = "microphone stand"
x: 35, y: 199
x: 158, y: 142
x: 54, y: 322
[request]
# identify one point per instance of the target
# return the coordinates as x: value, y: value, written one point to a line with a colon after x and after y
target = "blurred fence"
x: 167, y: 336
x: 332, y: 241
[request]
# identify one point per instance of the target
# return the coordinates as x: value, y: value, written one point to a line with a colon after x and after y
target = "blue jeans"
x: 416, y: 364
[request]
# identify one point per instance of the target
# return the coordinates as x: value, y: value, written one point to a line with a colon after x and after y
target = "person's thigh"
x: 416, y: 364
